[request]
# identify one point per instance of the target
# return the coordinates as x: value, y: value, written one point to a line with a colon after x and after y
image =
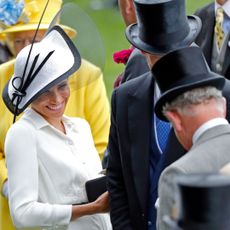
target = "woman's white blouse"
x: 47, y: 171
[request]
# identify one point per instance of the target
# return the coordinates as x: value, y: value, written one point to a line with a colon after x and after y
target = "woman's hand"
x: 102, y: 202
x: 100, y: 205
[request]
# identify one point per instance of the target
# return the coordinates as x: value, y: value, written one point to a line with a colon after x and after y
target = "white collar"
x: 207, y: 125
x: 226, y: 7
x: 39, y: 121
x: 157, y: 93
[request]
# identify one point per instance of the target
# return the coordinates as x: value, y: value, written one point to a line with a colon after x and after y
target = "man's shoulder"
x: 203, y: 10
x: 142, y: 82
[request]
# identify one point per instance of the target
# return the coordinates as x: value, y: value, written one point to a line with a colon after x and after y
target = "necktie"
x: 219, y: 33
x: 163, y: 129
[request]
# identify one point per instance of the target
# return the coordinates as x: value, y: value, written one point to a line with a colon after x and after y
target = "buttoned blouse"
x: 47, y: 171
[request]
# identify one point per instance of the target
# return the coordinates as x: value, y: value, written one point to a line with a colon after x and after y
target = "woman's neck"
x: 57, y: 123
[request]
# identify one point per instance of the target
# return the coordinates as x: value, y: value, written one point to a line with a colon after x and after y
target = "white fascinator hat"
x: 40, y: 66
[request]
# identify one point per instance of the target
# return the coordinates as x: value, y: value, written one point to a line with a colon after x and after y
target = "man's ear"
x: 224, y: 105
x: 175, y: 118
x: 129, y: 7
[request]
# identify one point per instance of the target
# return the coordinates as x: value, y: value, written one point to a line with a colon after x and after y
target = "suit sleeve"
x: 168, y: 196
x: 119, y: 211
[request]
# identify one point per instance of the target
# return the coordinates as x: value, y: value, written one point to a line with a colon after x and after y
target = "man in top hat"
x: 135, y: 63
x: 214, y: 38
x: 86, y: 101
x: 192, y: 101
x: 138, y: 151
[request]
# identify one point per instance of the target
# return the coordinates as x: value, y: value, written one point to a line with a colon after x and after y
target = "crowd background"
x: 106, y: 16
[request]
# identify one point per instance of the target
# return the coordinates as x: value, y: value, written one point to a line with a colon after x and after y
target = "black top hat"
x: 204, y: 202
x: 182, y: 70
x: 162, y: 26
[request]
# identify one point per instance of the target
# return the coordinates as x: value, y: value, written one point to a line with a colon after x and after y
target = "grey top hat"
x: 50, y: 61
x: 162, y: 26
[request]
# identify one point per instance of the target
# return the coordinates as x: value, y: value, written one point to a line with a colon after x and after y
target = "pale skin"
x: 186, y: 125
x: 51, y: 106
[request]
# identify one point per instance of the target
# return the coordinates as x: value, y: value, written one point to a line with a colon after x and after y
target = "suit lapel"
x: 173, y: 152
x: 205, y: 39
x: 139, y: 115
x: 226, y: 63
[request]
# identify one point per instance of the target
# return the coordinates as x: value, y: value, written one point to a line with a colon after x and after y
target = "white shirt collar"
x: 157, y: 93
x: 207, y: 125
x: 226, y: 7
x: 40, y: 122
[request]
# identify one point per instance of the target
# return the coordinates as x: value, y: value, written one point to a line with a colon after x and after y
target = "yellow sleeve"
x: 6, y: 70
x: 3, y: 170
x: 98, y: 113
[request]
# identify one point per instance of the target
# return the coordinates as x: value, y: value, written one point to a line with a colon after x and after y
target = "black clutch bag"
x: 95, y: 187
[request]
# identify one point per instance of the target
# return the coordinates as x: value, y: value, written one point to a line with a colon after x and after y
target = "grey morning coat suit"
x: 205, y: 40
x: 209, y: 154
x: 129, y: 146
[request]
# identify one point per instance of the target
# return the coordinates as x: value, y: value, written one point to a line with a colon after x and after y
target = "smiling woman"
x: 54, y: 152
x: 51, y: 104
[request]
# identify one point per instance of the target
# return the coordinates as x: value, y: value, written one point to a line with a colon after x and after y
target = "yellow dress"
x: 88, y: 100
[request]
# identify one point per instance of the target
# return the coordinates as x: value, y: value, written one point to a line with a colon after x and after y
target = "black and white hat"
x: 40, y: 67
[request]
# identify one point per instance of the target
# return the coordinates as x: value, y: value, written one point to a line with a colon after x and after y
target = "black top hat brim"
x: 132, y: 34
x: 215, y: 80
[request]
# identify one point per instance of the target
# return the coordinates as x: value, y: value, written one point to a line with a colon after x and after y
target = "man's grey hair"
x: 184, y: 102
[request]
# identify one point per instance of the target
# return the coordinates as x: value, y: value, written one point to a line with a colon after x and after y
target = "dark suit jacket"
x: 129, y: 146
x: 206, y: 35
x: 135, y: 67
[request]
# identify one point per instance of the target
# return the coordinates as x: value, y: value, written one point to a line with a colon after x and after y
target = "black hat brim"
x: 132, y: 34
x: 215, y: 80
